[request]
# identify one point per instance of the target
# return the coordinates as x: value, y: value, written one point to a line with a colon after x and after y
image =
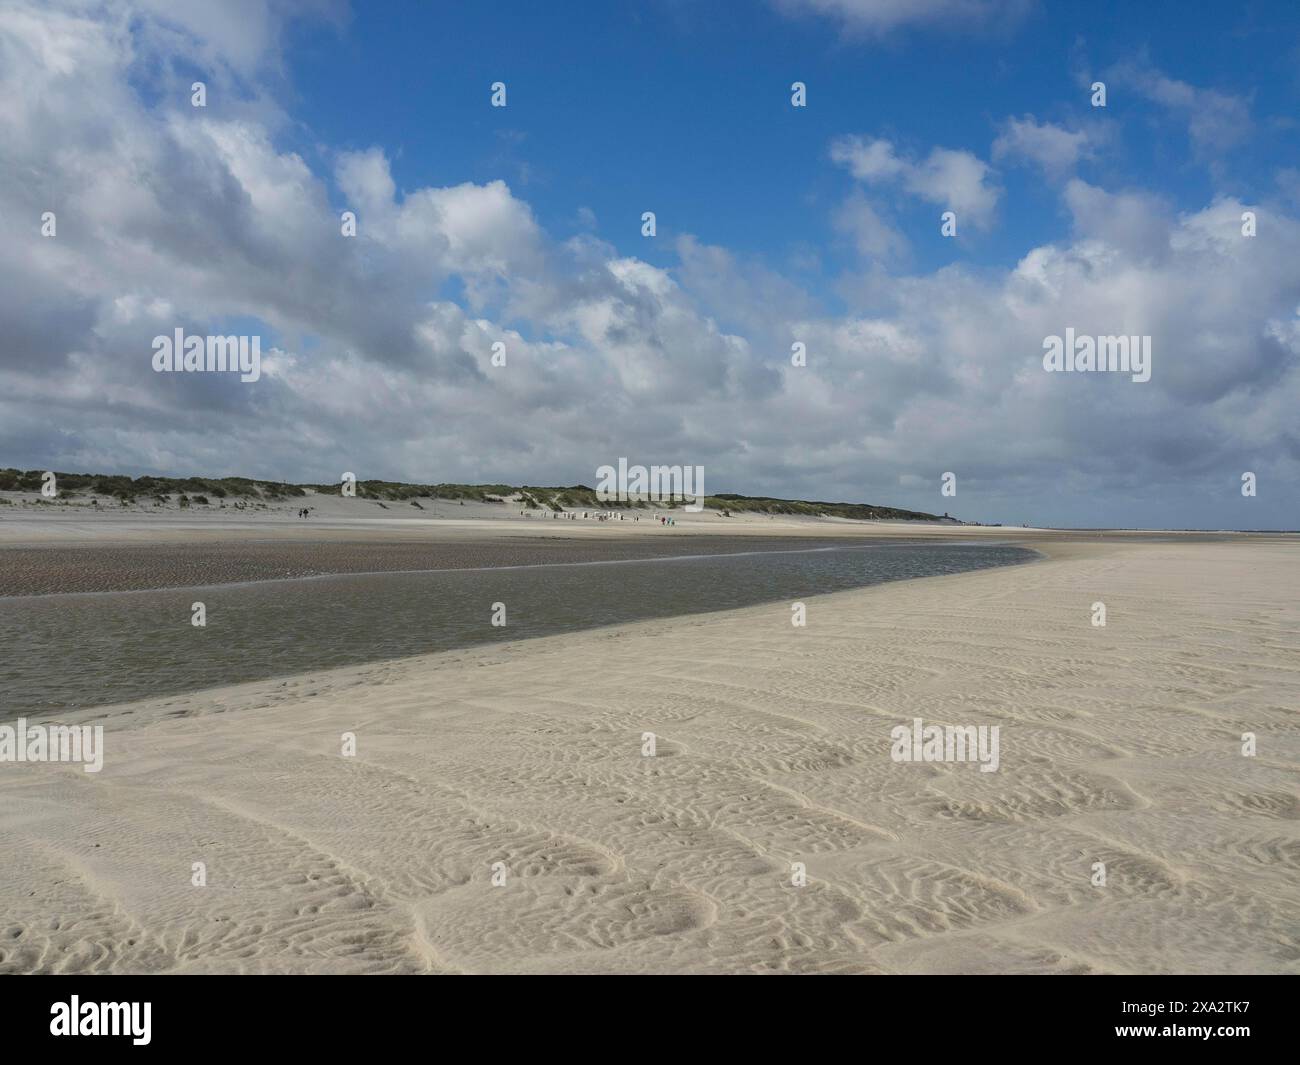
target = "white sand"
x: 1118, y: 745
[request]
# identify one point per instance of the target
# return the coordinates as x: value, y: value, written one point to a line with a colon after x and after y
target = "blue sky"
x: 522, y: 226
x: 684, y: 108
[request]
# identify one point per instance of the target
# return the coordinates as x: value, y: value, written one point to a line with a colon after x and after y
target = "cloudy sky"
x: 775, y: 224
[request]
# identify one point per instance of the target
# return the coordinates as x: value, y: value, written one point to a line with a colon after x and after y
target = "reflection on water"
x: 87, y: 650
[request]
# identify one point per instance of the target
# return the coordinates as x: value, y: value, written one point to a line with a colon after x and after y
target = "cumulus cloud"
x: 954, y: 180
x: 1134, y: 222
x: 1055, y: 149
x: 239, y: 37
x: 870, y: 233
x: 1216, y: 121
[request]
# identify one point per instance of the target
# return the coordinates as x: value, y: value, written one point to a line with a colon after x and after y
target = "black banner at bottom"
x: 1227, y: 1014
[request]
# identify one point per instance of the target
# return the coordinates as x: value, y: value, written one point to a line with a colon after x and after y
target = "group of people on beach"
x: 599, y: 516
x: 610, y: 516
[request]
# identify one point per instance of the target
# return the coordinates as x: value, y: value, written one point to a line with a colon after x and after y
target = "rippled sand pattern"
x: 1118, y: 745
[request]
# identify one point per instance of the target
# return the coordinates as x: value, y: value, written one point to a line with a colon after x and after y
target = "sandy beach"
x: 499, y: 814
x: 789, y: 487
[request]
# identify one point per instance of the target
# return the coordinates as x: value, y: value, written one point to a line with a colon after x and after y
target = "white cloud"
x: 1053, y: 148
x: 239, y: 36
x: 871, y: 234
x: 872, y: 161
x: 1216, y: 121
x: 1136, y: 223
x: 953, y: 180
x: 880, y: 17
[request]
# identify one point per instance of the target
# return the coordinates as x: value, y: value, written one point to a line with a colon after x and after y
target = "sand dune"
x: 1119, y: 745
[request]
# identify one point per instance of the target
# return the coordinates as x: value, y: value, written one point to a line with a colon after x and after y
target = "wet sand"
x: 120, y: 646
x: 132, y: 567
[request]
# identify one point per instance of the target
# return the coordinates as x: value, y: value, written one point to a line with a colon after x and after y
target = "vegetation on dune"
x: 858, y: 511
x: 245, y: 491
x: 118, y: 486
x: 398, y: 491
